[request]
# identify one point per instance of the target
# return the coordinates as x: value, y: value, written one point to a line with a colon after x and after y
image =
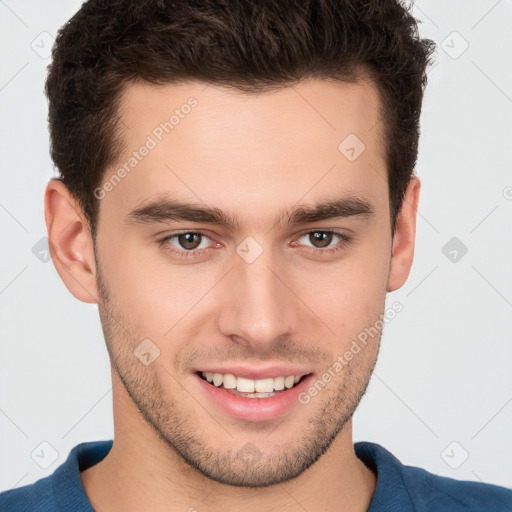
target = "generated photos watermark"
x: 151, y: 142
x: 356, y: 346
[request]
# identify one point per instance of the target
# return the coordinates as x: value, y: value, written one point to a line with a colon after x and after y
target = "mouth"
x: 253, y: 400
x: 251, y: 388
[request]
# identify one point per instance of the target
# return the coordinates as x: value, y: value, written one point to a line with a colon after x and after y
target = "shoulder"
x: 63, y: 489
x: 433, y: 492
x: 423, y: 491
x: 29, y: 498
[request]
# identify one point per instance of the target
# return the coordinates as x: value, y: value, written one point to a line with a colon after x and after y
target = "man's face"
x: 271, y: 293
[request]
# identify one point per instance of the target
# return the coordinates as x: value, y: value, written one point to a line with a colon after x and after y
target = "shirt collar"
x: 390, y: 494
x: 68, y: 489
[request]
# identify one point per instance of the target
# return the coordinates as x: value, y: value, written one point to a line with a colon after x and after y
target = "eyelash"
x: 163, y: 243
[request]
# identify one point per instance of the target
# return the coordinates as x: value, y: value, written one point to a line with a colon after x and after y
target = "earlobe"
x: 70, y: 242
x: 404, y: 239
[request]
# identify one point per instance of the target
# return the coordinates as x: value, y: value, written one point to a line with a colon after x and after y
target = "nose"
x: 257, y: 308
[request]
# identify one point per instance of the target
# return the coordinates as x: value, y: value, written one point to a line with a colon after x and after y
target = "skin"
x: 251, y: 156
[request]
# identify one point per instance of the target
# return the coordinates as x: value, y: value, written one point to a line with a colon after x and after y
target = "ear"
x: 70, y: 242
x: 404, y: 239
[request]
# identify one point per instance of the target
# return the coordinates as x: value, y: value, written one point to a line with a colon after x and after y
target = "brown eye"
x: 324, y: 241
x: 189, y: 240
x: 188, y: 244
x: 320, y: 238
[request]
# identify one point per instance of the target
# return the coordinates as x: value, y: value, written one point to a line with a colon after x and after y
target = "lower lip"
x: 254, y: 409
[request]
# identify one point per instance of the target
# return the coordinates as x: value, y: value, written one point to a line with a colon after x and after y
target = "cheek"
x: 130, y: 281
x: 349, y: 294
x: 151, y: 293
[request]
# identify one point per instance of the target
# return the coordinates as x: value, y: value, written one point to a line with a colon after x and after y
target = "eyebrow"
x: 165, y: 209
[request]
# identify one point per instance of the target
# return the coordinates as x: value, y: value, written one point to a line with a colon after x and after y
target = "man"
x: 237, y: 195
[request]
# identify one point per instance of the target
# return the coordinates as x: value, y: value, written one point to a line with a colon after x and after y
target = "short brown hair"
x: 250, y: 45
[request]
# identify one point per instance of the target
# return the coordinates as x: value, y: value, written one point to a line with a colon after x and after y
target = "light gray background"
x: 444, y: 373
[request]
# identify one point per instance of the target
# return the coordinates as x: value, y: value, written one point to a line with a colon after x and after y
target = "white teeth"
x: 279, y: 383
x: 259, y: 395
x: 229, y: 381
x: 264, y: 386
x: 245, y: 385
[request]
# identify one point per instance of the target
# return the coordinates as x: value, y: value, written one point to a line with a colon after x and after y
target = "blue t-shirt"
x: 399, y: 487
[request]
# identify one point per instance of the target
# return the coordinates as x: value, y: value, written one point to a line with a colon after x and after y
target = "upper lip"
x: 257, y: 373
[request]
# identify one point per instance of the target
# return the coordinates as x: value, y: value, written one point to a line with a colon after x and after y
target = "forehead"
x: 223, y: 147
